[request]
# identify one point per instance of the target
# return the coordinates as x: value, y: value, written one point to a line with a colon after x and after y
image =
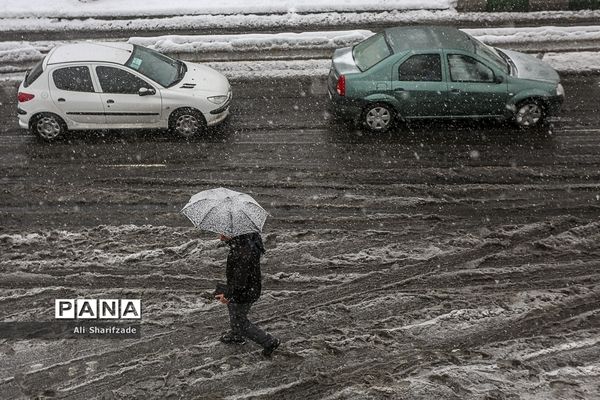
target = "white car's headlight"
x: 560, y: 91
x: 217, y: 99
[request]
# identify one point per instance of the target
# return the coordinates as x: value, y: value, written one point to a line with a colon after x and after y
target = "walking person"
x: 243, y: 289
x: 239, y: 219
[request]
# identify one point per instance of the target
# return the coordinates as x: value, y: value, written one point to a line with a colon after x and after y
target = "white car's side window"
x: 74, y: 79
x: 116, y: 80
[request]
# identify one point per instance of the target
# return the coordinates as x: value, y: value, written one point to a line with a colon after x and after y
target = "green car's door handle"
x: 399, y: 89
x: 455, y: 91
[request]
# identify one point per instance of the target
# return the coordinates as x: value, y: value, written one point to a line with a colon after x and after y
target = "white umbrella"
x: 225, y: 211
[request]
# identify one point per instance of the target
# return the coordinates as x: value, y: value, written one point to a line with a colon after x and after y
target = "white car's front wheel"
x: 187, y: 123
x: 48, y: 126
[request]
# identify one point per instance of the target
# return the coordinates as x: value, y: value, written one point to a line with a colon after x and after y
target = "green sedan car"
x: 439, y: 72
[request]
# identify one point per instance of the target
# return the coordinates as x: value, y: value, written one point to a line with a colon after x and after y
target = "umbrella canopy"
x: 225, y: 211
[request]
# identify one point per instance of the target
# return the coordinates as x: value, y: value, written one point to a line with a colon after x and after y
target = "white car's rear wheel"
x: 48, y: 126
x: 187, y: 123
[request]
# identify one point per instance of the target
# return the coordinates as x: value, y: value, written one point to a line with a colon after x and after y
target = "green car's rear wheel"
x: 378, y: 117
x: 530, y: 114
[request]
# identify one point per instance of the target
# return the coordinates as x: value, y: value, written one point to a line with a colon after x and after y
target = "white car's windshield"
x: 156, y: 66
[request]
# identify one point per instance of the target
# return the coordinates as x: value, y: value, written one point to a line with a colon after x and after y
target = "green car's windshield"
x: 491, y: 54
x: 156, y: 66
x: 371, y: 51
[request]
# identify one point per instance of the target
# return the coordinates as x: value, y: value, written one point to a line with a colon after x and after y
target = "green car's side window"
x: 421, y: 67
x: 467, y: 69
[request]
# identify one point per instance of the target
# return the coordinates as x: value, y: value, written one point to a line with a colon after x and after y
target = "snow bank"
x: 575, y: 62
x: 280, y: 41
x: 583, y: 61
x: 122, y: 8
x: 16, y: 52
x: 272, y: 69
x: 571, y: 62
x: 320, y: 40
x: 500, y: 36
x: 289, y: 21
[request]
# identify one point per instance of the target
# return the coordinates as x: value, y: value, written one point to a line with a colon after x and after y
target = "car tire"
x: 530, y: 114
x: 187, y: 123
x: 378, y: 117
x: 47, y: 126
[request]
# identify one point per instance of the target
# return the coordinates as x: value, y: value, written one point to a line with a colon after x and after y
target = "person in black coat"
x: 243, y: 289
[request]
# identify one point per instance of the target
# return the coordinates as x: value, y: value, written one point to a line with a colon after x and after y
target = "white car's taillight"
x: 22, y: 97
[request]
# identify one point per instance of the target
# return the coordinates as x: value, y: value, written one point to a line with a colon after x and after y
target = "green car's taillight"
x: 341, y: 85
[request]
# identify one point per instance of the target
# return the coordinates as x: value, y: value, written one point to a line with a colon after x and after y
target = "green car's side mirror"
x: 499, y: 79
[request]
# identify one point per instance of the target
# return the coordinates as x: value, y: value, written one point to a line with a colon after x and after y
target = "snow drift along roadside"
x: 252, y: 42
x: 128, y: 8
x: 574, y: 62
x: 19, y: 56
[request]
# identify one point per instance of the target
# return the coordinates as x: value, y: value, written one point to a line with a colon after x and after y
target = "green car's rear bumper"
x: 343, y: 107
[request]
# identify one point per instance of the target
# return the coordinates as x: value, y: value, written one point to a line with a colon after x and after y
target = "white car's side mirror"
x: 146, y: 91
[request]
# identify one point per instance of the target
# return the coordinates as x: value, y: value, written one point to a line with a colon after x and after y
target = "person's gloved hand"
x: 222, y: 299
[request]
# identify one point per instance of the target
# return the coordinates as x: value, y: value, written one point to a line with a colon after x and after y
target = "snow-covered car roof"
x: 405, y: 38
x: 97, y: 51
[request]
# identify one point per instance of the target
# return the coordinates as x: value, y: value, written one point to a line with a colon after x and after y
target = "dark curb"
x: 526, y: 5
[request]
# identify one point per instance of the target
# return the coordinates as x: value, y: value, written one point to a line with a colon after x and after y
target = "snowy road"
x: 446, y: 262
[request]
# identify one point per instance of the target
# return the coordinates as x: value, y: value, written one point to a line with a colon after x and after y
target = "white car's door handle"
x: 110, y: 101
x: 61, y: 99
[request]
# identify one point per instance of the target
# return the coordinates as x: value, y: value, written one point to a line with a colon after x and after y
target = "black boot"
x: 269, y: 349
x: 230, y: 338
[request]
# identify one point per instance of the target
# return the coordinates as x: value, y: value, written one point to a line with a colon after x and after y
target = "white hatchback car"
x: 120, y: 86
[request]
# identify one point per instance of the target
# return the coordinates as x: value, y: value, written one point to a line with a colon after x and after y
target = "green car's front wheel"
x: 378, y: 117
x: 530, y: 114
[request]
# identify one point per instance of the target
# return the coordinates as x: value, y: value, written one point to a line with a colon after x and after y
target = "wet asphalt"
x: 280, y: 137
x: 448, y: 260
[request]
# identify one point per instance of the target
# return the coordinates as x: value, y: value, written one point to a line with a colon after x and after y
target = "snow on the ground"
x: 203, y: 43
x: 16, y: 52
x: 334, y: 39
x: 495, y: 36
x: 14, y: 56
x: 239, y: 21
x: 574, y: 62
x: 177, y: 44
x: 290, y: 21
x: 499, y: 36
x: 120, y: 8
x: 272, y: 69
